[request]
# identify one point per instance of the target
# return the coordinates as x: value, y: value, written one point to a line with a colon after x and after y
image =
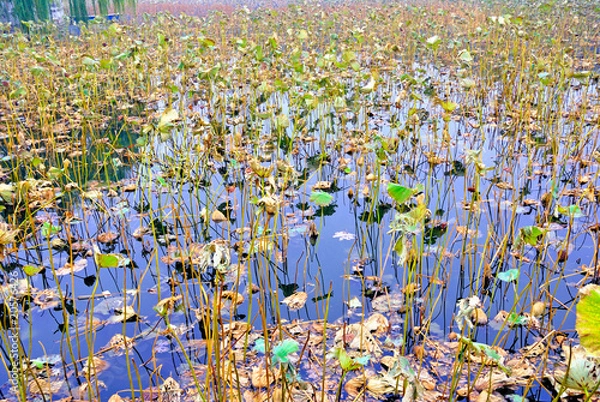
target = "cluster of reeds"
x: 310, y: 202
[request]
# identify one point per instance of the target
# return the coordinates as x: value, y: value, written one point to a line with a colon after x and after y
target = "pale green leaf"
x: 588, y: 319
x: 321, y: 198
x: 508, y: 276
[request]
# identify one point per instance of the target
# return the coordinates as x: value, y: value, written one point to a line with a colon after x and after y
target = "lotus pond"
x: 310, y: 202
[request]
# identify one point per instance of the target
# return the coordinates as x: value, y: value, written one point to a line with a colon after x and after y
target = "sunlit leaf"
x: 48, y: 229
x: 465, y: 56
x: 348, y: 363
x: 402, y: 248
x: 530, y: 235
x: 321, y: 198
x: 110, y: 260
x: 588, y: 319
x: 572, y: 211
x: 89, y: 61
x: 508, y: 276
x: 295, y: 301
x: 32, y: 270
x: 433, y: 42
x: 399, y: 193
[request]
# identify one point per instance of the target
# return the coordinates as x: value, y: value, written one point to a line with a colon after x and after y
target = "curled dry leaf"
x: 218, y: 216
x: 538, y: 309
x: 42, y: 386
x: 171, y: 390
x: 94, y: 366
x: 479, y: 317
x: 388, y: 361
x: 233, y: 297
x: 119, y: 343
x: 322, y: 185
x: 379, y: 386
x: 411, y: 289
x: 167, y: 305
x: 393, y: 302
x: 377, y: 324
x: 107, y: 237
x: 124, y: 314
x: 237, y: 329
x: 295, y: 301
x: 356, y: 386
x: 140, y: 232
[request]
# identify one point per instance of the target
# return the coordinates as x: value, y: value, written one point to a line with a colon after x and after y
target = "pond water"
x: 254, y: 220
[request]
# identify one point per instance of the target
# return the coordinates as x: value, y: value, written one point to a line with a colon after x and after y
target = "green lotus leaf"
x: 399, y: 193
x: 321, y: 198
x: 588, y: 319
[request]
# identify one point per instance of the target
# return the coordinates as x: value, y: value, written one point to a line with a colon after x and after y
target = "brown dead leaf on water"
x: 377, y: 324
x: 393, y: 302
x: 46, y: 298
x: 233, y: 297
x: 478, y: 317
x: 94, y: 366
x: 357, y: 337
x: 41, y: 386
x: 124, y: 314
x: 263, y: 377
x: 237, y: 329
x: 295, y: 301
x: 356, y: 386
x: 218, y: 216
x: 170, y: 391
x: 107, y: 237
x: 119, y: 343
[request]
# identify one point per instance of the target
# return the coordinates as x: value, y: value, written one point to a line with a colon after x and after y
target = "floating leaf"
x: 530, y: 235
x: 124, y: 314
x: 110, y: 260
x: 572, y: 211
x: 48, y: 229
x: 354, y: 303
x: 321, y: 198
x: 295, y: 301
x: 32, y: 270
x: 508, y: 276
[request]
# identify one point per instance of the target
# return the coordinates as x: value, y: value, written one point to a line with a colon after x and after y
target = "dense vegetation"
x: 311, y: 202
